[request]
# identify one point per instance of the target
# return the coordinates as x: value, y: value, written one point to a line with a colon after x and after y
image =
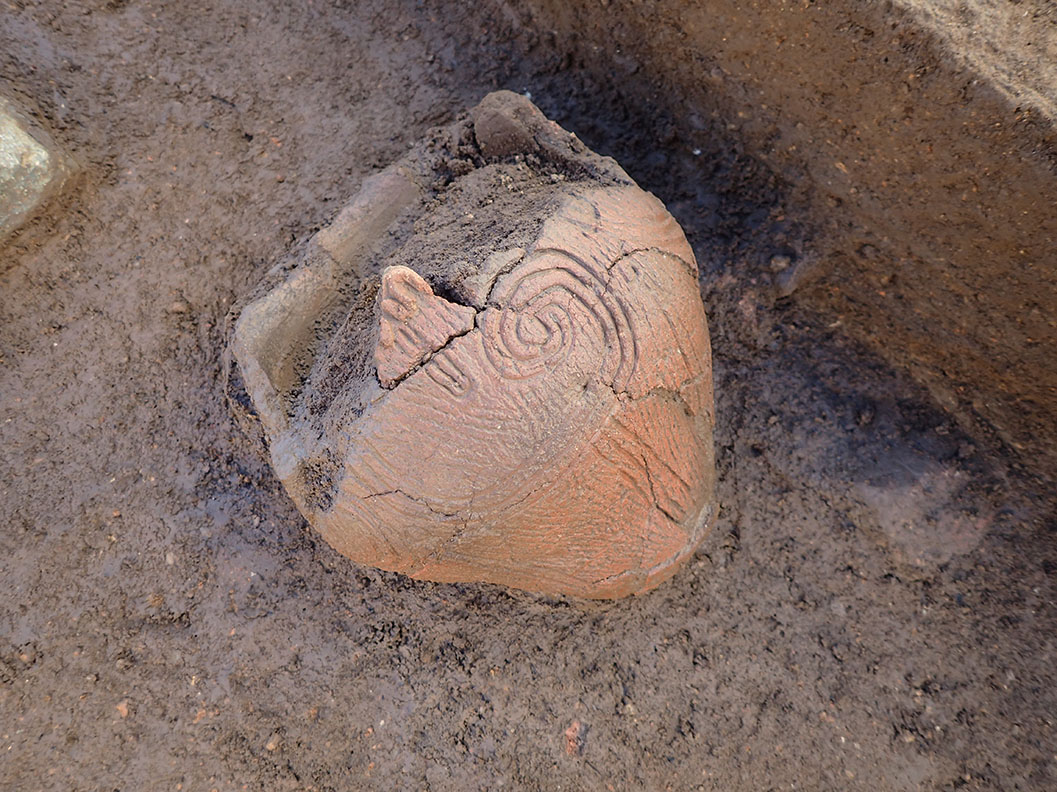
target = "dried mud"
x: 874, y: 610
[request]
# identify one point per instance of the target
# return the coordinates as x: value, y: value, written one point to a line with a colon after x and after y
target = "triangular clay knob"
x: 415, y: 323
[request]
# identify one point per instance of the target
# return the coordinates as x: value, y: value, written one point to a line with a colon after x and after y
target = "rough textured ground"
x: 875, y: 609
x: 923, y: 187
x: 1011, y: 44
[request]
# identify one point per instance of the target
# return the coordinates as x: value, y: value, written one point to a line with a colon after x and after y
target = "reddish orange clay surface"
x: 534, y: 409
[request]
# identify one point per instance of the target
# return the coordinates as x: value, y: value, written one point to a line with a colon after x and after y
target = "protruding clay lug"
x: 413, y: 323
x: 365, y: 219
x: 557, y: 435
x: 504, y: 123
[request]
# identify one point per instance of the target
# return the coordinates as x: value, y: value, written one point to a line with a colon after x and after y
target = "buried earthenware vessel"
x: 493, y: 366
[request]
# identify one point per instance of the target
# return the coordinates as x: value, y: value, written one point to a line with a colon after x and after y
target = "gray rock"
x: 31, y: 168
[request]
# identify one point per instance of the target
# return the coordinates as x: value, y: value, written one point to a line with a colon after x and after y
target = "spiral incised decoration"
x: 548, y: 305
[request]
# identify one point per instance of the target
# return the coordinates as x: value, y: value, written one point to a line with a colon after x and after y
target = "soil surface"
x: 874, y: 610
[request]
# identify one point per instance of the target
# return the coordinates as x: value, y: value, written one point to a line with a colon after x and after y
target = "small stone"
x: 868, y: 252
x: 575, y: 738
x: 273, y: 743
x: 31, y: 168
x: 779, y: 263
x: 122, y: 708
x: 791, y: 274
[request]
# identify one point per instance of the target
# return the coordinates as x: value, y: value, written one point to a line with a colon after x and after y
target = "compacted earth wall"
x: 917, y: 136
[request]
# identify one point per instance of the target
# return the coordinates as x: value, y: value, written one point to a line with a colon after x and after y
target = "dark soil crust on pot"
x: 874, y: 610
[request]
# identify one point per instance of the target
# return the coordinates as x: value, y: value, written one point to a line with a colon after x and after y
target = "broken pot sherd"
x: 494, y: 366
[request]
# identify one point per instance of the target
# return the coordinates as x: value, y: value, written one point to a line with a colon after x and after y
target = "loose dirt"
x: 874, y: 610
